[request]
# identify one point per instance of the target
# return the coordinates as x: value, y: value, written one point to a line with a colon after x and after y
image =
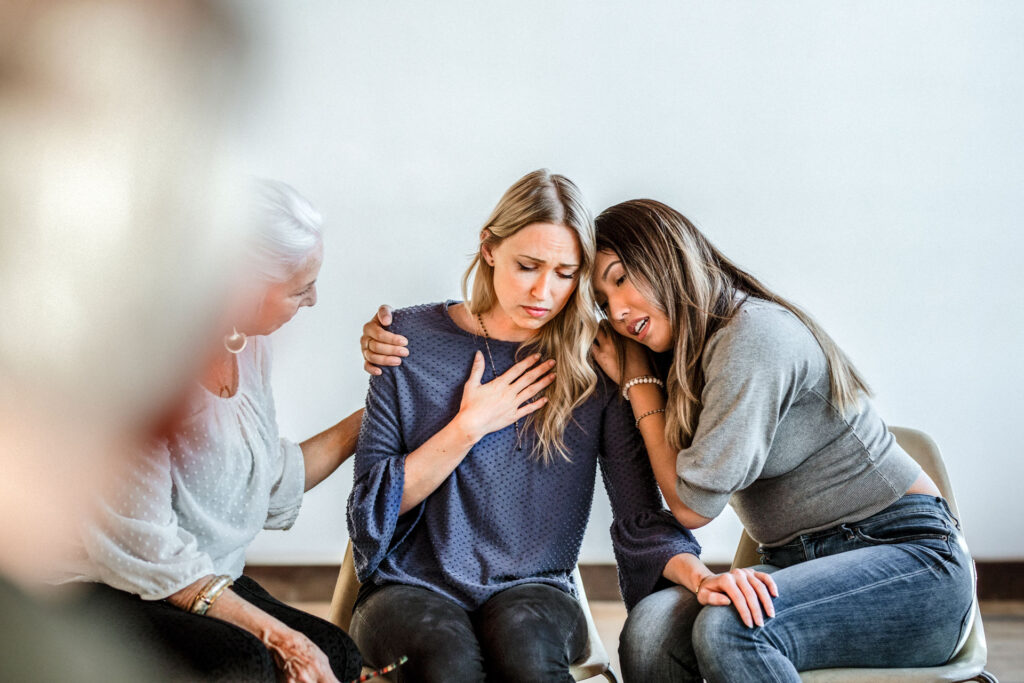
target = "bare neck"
x: 496, y: 325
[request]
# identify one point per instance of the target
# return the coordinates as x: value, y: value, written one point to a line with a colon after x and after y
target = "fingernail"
x: 403, y: 352
x: 551, y: 362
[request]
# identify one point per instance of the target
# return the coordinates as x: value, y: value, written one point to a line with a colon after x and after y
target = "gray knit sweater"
x: 769, y: 437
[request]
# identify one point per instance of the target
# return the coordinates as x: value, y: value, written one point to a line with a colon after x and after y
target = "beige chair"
x: 969, y: 662
x: 593, y: 661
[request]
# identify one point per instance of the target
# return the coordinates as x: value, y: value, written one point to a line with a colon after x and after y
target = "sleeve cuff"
x: 643, y: 546
x: 702, y: 501
x: 286, y: 496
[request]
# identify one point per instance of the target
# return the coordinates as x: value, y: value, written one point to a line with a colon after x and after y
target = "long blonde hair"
x: 545, y: 197
x: 678, y: 269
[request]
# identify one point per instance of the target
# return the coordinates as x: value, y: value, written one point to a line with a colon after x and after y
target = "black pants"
x: 219, y: 651
x: 531, y: 632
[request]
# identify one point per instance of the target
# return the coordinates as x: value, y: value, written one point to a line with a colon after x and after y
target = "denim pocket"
x: 911, y: 526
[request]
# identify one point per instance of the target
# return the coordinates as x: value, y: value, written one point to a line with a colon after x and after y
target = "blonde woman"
x: 471, y: 496
x: 762, y: 408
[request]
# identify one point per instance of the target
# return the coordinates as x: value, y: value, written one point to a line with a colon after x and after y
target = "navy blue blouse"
x: 502, y: 518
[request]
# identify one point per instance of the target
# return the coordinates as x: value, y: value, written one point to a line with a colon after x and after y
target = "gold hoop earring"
x: 235, y: 342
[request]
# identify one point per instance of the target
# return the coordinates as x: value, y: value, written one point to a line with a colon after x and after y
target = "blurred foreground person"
x: 114, y: 257
x: 170, y: 541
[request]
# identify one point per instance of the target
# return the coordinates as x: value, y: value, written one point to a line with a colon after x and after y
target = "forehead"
x: 309, y: 269
x: 546, y: 241
x: 605, y: 257
x: 602, y: 260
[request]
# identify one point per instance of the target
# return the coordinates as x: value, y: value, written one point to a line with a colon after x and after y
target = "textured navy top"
x: 502, y: 517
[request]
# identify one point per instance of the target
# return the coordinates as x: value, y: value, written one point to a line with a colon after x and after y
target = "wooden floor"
x: 1003, y: 621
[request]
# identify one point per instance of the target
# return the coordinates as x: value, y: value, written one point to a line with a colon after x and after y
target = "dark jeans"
x: 531, y: 632
x: 218, y: 651
x: 893, y: 590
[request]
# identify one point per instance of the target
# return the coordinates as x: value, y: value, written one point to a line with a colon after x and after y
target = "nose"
x: 310, y: 299
x: 618, y: 310
x: 541, y: 286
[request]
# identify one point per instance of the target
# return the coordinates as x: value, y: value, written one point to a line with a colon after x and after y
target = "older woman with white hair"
x: 170, y: 541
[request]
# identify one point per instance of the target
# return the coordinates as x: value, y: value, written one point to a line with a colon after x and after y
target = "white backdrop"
x: 865, y: 159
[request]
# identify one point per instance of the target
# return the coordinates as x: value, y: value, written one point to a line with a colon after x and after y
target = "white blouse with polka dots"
x: 193, y: 503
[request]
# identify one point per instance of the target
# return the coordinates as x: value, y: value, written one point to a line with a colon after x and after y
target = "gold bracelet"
x: 649, y: 412
x: 209, y: 594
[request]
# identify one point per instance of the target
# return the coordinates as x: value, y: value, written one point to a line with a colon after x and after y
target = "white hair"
x: 287, y: 230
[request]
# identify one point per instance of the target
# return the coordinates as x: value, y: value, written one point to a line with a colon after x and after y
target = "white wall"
x: 865, y: 159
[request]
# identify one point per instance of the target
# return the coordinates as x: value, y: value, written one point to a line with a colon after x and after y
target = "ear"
x: 485, y: 247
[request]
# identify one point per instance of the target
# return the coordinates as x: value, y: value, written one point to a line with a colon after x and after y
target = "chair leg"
x: 610, y: 674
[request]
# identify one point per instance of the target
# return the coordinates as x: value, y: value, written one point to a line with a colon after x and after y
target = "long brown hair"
x: 678, y: 270
x: 545, y: 197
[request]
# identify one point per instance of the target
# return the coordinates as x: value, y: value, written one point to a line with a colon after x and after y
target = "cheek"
x: 512, y: 283
x: 285, y: 309
x: 563, y: 290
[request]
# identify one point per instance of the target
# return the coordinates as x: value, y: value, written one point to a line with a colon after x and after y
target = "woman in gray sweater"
x: 743, y: 398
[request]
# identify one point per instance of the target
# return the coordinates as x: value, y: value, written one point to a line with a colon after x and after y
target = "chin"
x: 656, y: 345
x: 534, y: 323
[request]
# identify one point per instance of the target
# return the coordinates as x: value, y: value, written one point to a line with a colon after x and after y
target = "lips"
x: 536, y: 312
x: 638, y: 327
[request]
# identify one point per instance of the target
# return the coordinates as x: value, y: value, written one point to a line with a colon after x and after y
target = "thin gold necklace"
x: 225, y: 387
x: 494, y: 374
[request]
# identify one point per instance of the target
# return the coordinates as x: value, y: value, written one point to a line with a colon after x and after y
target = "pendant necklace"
x: 225, y: 387
x: 494, y: 374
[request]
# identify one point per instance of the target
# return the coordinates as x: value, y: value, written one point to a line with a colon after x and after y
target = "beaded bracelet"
x: 209, y: 594
x: 649, y: 412
x: 643, y: 379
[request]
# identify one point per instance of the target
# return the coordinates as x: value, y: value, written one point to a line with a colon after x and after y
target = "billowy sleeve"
x: 645, y: 536
x: 374, y: 523
x: 133, y: 539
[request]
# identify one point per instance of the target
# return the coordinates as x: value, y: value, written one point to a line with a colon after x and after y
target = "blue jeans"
x: 893, y: 590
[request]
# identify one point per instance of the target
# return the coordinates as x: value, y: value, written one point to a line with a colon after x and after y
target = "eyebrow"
x: 540, y: 260
x: 311, y: 283
x: 607, y: 268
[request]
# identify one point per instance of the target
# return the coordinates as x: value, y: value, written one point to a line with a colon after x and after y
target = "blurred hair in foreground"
x: 118, y: 226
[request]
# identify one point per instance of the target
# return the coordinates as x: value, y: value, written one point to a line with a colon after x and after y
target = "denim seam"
x: 759, y: 647
x: 854, y: 591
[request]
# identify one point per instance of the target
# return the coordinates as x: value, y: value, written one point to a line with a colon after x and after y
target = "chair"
x: 969, y: 662
x: 593, y: 662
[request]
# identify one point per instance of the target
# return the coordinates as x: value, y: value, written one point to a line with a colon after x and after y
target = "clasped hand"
x: 297, y: 658
x: 748, y: 590
x: 606, y: 353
